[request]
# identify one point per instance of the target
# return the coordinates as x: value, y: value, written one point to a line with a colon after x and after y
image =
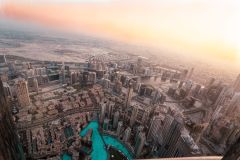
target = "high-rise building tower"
x: 145, y: 116
x: 92, y: 77
x: 74, y: 77
x: 154, y: 129
x: 35, y: 84
x: 138, y: 131
x: 85, y: 77
x: 133, y: 115
x: 118, y: 87
x: 3, y: 58
x: 7, y: 89
x: 103, y: 111
x: 62, y: 73
x: 139, y: 64
x: 119, y: 128
x: 110, y: 108
x: 9, y: 143
x: 171, y: 134
x: 115, y: 119
x: 12, y: 69
x: 106, y: 124
x: 157, y: 97
x: 129, y: 96
x: 225, y: 93
x: 186, y: 147
x: 22, y: 93
x: 234, y: 151
x: 196, y: 90
x: 166, y: 125
x: 234, y: 105
x: 105, y: 83
x: 141, y: 138
x: 127, y: 134
x: 236, y: 84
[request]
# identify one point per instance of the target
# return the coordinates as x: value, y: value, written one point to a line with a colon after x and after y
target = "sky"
x: 202, y: 28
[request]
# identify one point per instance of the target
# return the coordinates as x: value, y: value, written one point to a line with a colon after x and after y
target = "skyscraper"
x: 138, y: 131
x: 7, y: 89
x: 22, y: 93
x: 118, y: 87
x: 133, y: 115
x: 129, y: 96
x: 115, y: 119
x: 166, y: 125
x: 35, y: 84
x: 139, y: 64
x: 62, y: 73
x: 12, y: 69
x: 154, y: 129
x: 106, y: 124
x: 171, y: 134
x: 74, y: 77
x: 103, y: 111
x: 119, y: 128
x: 141, y: 138
x: 110, y: 108
x: 85, y: 77
x: 3, y: 59
x: 105, y: 83
x: 234, y: 105
x: 145, y: 116
x: 157, y: 97
x: 196, y: 90
x: 92, y: 77
x: 224, y: 94
x: 234, y: 151
x: 185, y: 146
x: 127, y: 134
x: 236, y: 84
x: 9, y: 144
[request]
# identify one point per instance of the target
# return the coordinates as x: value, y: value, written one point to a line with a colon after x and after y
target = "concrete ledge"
x: 188, y: 158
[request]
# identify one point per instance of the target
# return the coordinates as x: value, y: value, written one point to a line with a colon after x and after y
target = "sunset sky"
x: 207, y: 28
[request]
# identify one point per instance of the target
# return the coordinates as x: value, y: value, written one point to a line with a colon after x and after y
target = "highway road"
x: 32, y: 124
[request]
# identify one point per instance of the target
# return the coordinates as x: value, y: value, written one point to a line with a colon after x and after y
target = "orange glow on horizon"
x: 191, y: 28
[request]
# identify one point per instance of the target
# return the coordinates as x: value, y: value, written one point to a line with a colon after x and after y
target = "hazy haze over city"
x: 196, y: 31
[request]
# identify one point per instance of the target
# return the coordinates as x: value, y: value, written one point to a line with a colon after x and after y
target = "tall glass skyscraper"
x: 10, y: 148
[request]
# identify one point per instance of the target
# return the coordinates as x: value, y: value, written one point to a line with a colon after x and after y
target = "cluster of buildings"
x: 154, y: 111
